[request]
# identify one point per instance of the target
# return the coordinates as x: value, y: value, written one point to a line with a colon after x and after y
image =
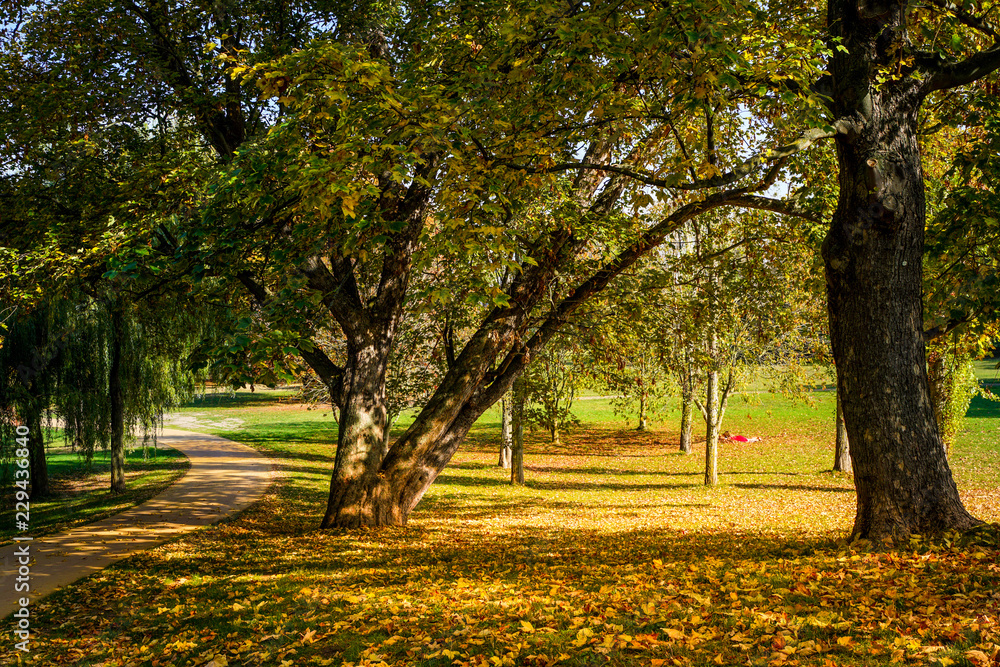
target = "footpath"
x: 224, y: 478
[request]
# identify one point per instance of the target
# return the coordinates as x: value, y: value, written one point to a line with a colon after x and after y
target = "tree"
x: 628, y: 345
x: 842, y: 450
x: 888, y: 59
x: 550, y: 383
x: 747, y: 308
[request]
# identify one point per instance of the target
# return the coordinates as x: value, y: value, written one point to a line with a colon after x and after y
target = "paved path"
x: 224, y: 477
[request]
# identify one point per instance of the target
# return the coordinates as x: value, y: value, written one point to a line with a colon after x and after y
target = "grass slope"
x: 613, y: 553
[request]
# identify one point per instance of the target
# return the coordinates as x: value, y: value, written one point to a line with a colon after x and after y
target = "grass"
x: 612, y: 553
x: 80, y: 493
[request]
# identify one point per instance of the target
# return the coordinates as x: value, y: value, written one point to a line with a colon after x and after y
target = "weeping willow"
x: 106, y: 368
x: 30, y: 353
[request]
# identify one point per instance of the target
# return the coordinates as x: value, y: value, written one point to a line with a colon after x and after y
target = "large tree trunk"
x: 873, y: 254
x: 361, y: 442
x: 842, y: 451
x: 117, y: 398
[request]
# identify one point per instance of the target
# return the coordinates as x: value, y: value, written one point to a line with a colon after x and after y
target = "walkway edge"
x: 224, y: 478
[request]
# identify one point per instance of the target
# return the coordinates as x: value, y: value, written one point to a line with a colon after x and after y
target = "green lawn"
x: 988, y: 370
x: 613, y: 553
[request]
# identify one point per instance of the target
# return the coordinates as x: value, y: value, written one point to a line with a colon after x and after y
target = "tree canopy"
x: 325, y: 167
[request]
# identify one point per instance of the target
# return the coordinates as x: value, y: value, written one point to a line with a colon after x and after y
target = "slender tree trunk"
x: 873, y: 254
x: 687, y: 410
x: 643, y: 425
x: 712, y: 429
x: 117, y: 398
x: 506, y: 431
x: 517, y: 451
x: 842, y: 452
x: 37, y: 464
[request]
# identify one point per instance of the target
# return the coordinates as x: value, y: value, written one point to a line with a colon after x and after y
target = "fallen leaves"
x: 620, y: 560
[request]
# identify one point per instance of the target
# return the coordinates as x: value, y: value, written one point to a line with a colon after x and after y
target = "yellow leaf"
x: 674, y: 634
x: 527, y: 627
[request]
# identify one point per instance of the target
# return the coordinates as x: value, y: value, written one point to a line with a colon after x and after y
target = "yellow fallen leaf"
x: 527, y: 627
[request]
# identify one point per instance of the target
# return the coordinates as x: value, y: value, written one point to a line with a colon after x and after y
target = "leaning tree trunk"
x: 873, y: 254
x: 842, y: 451
x: 117, y: 399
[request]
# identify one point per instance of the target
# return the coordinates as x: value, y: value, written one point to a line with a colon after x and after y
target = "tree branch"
x: 741, y: 171
x: 970, y: 20
x: 329, y: 373
x: 953, y: 75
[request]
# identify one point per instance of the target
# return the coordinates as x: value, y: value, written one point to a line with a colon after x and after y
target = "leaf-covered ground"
x: 612, y: 554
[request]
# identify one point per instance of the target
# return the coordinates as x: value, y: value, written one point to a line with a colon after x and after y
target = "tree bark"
x: 117, y: 399
x: 506, y: 431
x: 712, y: 428
x: 361, y: 441
x: 643, y: 424
x: 687, y: 406
x: 517, y: 443
x: 36, y: 455
x: 842, y: 452
x: 873, y: 255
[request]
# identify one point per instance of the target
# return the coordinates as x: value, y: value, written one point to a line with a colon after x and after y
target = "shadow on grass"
x: 556, y: 485
x: 794, y: 487
x: 403, y: 553
x: 983, y: 408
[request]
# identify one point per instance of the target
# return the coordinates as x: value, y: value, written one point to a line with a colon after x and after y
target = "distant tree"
x: 627, y: 346
x: 842, y: 451
x: 550, y: 383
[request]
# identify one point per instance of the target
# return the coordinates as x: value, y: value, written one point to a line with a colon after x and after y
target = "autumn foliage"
x: 612, y: 553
